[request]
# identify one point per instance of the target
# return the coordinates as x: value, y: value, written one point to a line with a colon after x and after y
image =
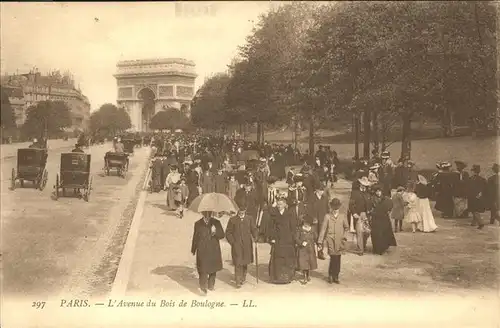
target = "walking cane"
x: 259, y: 218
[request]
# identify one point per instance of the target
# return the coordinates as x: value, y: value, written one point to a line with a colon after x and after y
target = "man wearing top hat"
x: 386, y: 173
x: 475, y: 196
x: 460, y: 194
x: 317, y: 206
x: 443, y: 184
x: 297, y: 195
x: 241, y: 232
x: 246, y: 197
x: 360, y: 206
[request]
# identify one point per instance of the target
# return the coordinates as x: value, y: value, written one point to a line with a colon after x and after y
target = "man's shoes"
x: 203, y: 291
x: 211, y: 289
x: 238, y: 286
x: 330, y: 280
x: 481, y: 226
x: 336, y: 280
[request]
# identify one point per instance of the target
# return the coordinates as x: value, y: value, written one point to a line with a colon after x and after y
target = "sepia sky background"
x: 67, y: 36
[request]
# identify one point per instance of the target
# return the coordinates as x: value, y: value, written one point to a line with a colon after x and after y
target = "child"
x: 232, y: 186
x: 181, y: 197
x: 398, y: 209
x: 412, y: 215
x: 305, y: 238
x: 332, y: 237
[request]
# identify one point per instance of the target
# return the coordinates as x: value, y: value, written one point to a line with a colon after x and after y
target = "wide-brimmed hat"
x: 438, y: 165
x: 476, y: 168
x: 375, y: 166
x: 385, y: 155
x: 445, y: 165
x: 422, y: 179
x: 364, y: 181
x: 400, y: 188
x: 335, y: 204
x: 262, y: 159
x: 460, y: 164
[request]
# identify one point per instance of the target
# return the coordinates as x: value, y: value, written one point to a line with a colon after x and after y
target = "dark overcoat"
x: 381, y: 234
x: 306, y: 255
x: 247, y: 200
x: 476, y: 192
x: 317, y: 208
x: 206, y: 246
x: 240, y: 234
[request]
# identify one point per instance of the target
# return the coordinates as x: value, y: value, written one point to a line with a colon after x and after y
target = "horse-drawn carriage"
x: 31, y: 164
x: 118, y: 161
x: 128, y: 146
x: 75, y: 175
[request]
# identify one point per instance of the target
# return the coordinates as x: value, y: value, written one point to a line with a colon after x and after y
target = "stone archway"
x: 147, y: 96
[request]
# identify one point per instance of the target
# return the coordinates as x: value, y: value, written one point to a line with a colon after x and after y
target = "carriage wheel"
x: 43, y: 181
x: 13, y: 179
x: 56, y: 193
x: 86, y: 196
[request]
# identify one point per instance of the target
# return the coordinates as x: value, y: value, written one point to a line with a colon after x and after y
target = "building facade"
x: 148, y: 86
x: 27, y: 90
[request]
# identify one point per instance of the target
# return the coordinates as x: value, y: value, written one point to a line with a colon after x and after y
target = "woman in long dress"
x: 281, y: 236
x: 381, y: 234
x: 427, y: 223
x: 171, y: 184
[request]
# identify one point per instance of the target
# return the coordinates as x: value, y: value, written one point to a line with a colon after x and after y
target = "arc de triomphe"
x: 147, y: 86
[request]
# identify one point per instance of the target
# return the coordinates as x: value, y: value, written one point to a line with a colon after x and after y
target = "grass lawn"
x: 425, y: 152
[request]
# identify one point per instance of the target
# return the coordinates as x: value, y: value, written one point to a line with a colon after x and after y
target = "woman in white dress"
x: 427, y: 224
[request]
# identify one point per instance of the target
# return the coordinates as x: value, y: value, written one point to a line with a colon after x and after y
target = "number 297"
x: 38, y: 305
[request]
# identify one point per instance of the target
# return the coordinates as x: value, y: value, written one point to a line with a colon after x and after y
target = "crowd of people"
x: 290, y: 202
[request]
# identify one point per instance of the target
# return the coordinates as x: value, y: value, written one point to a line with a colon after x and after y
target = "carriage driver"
x: 78, y: 149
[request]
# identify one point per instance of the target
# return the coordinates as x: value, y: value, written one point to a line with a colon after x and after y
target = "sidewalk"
x: 10, y: 150
x: 162, y: 260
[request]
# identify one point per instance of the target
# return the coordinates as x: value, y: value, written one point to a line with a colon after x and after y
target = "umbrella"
x: 213, y: 202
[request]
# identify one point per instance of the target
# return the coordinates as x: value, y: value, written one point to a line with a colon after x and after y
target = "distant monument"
x: 147, y: 86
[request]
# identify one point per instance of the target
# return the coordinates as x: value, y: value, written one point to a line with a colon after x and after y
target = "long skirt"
x: 424, y: 209
x: 282, y: 264
x: 171, y: 196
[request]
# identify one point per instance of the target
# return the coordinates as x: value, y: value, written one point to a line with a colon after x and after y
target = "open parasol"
x: 213, y: 202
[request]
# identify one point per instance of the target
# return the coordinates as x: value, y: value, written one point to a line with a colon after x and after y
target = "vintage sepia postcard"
x: 250, y: 164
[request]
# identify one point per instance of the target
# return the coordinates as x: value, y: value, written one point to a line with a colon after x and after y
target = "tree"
x: 47, y: 118
x: 8, y: 117
x: 169, y: 119
x: 109, y: 121
x: 209, y: 107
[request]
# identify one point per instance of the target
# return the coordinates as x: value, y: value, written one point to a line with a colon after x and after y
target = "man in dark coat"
x: 246, y: 197
x: 360, y: 206
x: 241, y: 231
x: 317, y: 207
x: 493, y: 197
x: 475, y: 198
x: 387, y: 175
x: 208, y: 232
x: 444, y: 186
x: 461, y: 178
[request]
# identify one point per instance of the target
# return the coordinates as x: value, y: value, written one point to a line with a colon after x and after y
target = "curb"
x: 122, y: 277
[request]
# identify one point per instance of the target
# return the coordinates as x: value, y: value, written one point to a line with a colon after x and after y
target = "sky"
x: 89, y: 38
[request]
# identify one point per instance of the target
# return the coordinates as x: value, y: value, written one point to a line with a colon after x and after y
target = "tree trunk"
x: 262, y: 129
x: 451, y: 119
x: 383, y: 131
x: 259, y: 134
x: 376, y: 142
x: 355, y: 121
x: 406, y: 135
x: 366, y: 134
x: 296, y: 132
x: 311, y: 137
